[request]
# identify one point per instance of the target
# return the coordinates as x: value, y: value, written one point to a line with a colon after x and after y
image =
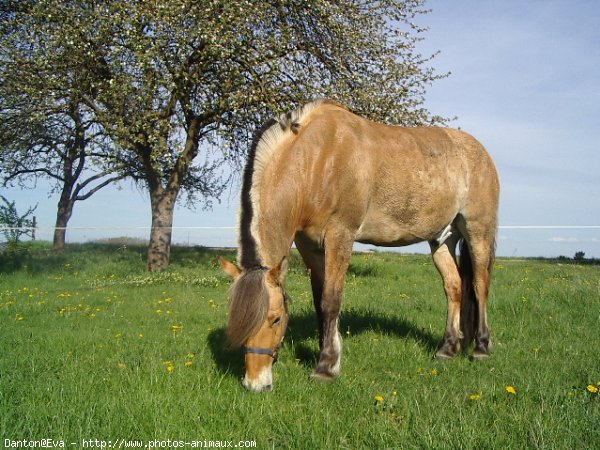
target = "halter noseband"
x: 273, y: 353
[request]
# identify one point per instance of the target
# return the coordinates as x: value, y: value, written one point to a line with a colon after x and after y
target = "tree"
x: 172, y: 79
x: 59, y: 146
x: 14, y: 225
x: 45, y: 129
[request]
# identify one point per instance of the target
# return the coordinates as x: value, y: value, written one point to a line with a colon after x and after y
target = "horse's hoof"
x: 448, y: 351
x: 323, y: 377
x: 480, y: 355
x: 444, y: 355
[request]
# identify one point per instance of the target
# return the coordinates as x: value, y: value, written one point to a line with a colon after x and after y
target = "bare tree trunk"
x: 162, y: 200
x: 163, y: 204
x: 65, y: 210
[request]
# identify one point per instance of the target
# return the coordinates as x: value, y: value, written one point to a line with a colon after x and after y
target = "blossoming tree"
x: 180, y: 86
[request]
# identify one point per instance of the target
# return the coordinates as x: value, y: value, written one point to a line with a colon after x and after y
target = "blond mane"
x: 265, y: 145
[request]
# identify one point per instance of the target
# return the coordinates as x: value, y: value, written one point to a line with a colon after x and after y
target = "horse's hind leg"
x: 445, y: 262
x: 482, y: 255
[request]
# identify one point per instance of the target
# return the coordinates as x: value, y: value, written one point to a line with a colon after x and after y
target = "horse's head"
x: 258, y: 319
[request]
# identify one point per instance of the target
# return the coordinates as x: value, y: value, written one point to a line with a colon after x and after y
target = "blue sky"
x: 525, y: 80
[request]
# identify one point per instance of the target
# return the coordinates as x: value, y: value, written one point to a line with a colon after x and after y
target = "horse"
x: 323, y: 178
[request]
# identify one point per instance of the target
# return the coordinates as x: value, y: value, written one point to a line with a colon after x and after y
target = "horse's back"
x: 388, y: 185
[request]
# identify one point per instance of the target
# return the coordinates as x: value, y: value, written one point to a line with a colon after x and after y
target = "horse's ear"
x: 230, y: 268
x: 276, y: 275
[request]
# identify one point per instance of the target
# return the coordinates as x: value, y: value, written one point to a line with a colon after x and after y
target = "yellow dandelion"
x: 511, y: 390
x: 191, y: 355
x: 188, y: 364
x: 158, y: 311
x: 475, y: 397
x: 20, y: 317
x: 122, y: 365
x: 92, y: 315
x: 379, y: 398
x: 141, y: 335
x: 119, y: 335
x: 169, y: 365
x: 176, y: 328
x: 593, y: 389
x: 434, y: 372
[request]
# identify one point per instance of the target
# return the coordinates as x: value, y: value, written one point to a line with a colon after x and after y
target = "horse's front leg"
x: 314, y: 260
x: 337, y: 259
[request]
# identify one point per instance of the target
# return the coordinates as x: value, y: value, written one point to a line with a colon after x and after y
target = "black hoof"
x: 324, y: 377
x: 443, y: 355
x: 448, y: 350
x: 480, y: 353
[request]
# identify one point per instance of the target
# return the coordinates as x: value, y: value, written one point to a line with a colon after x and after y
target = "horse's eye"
x: 276, y: 321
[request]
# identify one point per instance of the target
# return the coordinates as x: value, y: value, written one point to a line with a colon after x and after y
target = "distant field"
x: 94, y: 347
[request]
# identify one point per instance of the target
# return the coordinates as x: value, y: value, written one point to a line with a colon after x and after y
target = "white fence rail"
x: 513, y: 240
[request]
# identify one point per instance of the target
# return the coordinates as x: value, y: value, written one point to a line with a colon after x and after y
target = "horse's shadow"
x: 304, y: 327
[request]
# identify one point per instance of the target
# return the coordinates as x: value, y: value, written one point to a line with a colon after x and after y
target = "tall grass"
x: 94, y: 347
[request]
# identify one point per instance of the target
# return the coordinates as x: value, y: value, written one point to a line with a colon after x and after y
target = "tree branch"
x: 87, y: 195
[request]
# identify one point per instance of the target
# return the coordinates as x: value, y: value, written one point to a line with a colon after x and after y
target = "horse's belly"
x: 385, y: 230
x: 389, y: 233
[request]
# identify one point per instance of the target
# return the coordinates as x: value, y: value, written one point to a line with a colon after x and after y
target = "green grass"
x: 94, y: 347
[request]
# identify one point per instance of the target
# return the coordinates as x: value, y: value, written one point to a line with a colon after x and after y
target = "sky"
x: 525, y: 81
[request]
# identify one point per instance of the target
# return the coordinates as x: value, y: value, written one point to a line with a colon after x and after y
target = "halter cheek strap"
x: 273, y: 353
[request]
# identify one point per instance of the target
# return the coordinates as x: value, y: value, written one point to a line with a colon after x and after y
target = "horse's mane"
x: 265, y: 143
x: 248, y: 308
x: 249, y: 300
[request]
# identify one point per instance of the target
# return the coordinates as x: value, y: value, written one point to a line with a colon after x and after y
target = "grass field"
x: 94, y: 347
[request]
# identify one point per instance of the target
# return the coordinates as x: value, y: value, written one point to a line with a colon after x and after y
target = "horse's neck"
x: 275, y: 200
x: 276, y: 237
x: 277, y: 222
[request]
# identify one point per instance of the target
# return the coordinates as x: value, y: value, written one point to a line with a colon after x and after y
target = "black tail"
x: 469, y: 308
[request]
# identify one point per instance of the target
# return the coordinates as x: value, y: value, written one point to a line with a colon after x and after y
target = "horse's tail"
x: 469, y: 308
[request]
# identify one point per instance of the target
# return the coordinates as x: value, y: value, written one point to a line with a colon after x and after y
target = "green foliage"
x: 13, y: 225
x: 156, y: 84
x: 161, y: 79
x: 89, y: 354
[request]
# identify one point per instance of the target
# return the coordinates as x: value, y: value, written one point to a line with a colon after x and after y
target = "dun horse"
x: 323, y: 177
